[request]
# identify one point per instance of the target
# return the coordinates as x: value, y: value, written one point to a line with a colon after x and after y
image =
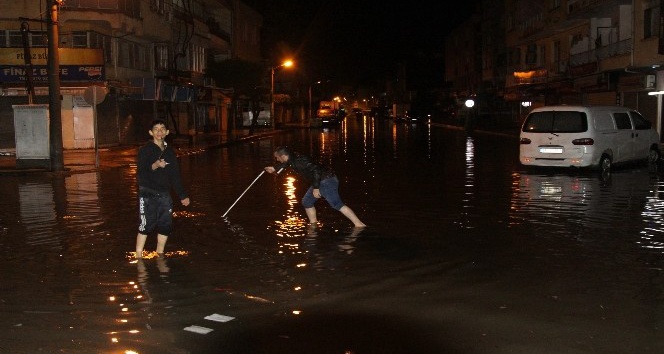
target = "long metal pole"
x: 96, y: 125
x: 272, y: 98
x: 310, y: 113
x: 54, y: 103
x: 27, y: 59
x: 245, y: 191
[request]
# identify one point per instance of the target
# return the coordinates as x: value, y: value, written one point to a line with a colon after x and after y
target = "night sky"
x: 359, y: 43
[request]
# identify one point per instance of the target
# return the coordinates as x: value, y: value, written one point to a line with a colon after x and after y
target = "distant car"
x: 406, y: 118
x: 330, y: 120
x: 333, y: 119
x: 357, y: 112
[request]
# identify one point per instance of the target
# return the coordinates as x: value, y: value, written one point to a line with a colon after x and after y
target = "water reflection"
x: 368, y: 140
x: 451, y: 217
x: 134, y: 301
x: 37, y: 213
x: 467, y: 203
x: 652, y: 236
x: 591, y: 208
x: 48, y: 210
x: 327, y: 249
x: 293, y: 225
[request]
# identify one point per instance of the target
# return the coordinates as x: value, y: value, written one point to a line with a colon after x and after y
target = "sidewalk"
x: 86, y: 160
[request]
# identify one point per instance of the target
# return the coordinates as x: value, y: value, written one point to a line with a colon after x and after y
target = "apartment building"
x: 564, y: 52
x: 149, y: 56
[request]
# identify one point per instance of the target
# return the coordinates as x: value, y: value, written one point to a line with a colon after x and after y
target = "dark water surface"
x: 466, y: 252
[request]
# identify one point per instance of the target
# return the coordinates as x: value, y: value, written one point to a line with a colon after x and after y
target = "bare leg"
x: 348, y: 212
x: 140, y: 244
x: 161, y: 244
x: 311, y: 214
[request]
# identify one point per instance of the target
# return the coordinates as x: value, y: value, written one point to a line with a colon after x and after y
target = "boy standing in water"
x: 158, y: 171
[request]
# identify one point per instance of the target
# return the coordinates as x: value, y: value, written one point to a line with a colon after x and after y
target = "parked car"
x: 586, y: 136
x: 407, y: 118
x: 330, y: 121
x: 333, y: 119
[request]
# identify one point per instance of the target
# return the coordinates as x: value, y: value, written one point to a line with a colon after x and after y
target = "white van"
x: 586, y: 136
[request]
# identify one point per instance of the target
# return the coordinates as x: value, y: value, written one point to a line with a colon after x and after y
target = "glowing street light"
x: 287, y: 63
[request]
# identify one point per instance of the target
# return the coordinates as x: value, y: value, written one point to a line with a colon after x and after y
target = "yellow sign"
x: 39, y: 56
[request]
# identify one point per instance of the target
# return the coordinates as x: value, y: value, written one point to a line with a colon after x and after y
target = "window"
x: 197, y: 62
x: 95, y: 40
x: 108, y: 49
x: 651, y: 22
x: 161, y: 57
x: 556, y: 122
x: 531, y: 54
x: 131, y: 8
x: 38, y: 39
x: 132, y: 55
x: 515, y: 56
x: 108, y: 4
x: 15, y: 39
x: 556, y: 51
x: 79, y: 39
x: 640, y: 123
x: 622, y: 121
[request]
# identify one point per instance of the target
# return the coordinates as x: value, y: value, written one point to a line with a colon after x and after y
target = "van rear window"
x: 556, y: 122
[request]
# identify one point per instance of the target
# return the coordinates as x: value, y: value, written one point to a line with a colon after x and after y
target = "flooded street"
x: 465, y: 252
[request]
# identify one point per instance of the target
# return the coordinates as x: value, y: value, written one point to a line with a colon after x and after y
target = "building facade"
x: 563, y: 52
x: 148, y: 56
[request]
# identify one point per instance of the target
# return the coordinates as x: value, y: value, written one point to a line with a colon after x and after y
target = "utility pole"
x: 27, y: 58
x: 287, y: 63
x: 272, y: 98
x: 54, y: 101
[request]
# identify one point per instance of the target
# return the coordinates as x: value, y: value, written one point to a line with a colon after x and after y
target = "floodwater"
x: 465, y: 252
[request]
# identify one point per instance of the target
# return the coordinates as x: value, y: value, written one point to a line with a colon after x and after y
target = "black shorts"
x: 155, y: 213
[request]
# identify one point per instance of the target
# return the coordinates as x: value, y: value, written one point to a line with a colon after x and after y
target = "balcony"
x: 215, y: 28
x: 611, y: 50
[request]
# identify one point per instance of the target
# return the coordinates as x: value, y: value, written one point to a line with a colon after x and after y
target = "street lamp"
x: 287, y: 64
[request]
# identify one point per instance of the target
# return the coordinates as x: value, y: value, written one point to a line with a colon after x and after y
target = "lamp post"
x: 287, y: 63
x: 311, y: 112
x: 55, y: 104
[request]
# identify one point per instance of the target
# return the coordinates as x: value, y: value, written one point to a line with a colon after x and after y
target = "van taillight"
x: 584, y: 141
x: 524, y: 141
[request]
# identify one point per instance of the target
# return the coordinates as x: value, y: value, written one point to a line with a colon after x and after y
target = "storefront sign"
x: 75, y: 65
x: 16, y: 74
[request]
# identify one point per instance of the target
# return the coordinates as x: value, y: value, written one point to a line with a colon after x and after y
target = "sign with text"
x: 75, y: 65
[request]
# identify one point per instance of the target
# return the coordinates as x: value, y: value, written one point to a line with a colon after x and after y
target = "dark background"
x: 361, y: 42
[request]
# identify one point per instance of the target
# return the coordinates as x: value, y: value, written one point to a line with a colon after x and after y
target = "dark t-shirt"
x: 162, y: 179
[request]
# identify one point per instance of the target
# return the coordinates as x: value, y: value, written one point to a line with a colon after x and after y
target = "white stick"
x: 245, y: 191
x: 162, y: 151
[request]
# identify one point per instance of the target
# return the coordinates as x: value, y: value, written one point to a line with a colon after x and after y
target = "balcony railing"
x: 611, y: 50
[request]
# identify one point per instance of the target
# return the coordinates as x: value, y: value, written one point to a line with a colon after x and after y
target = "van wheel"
x: 653, y: 156
x: 605, y: 163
